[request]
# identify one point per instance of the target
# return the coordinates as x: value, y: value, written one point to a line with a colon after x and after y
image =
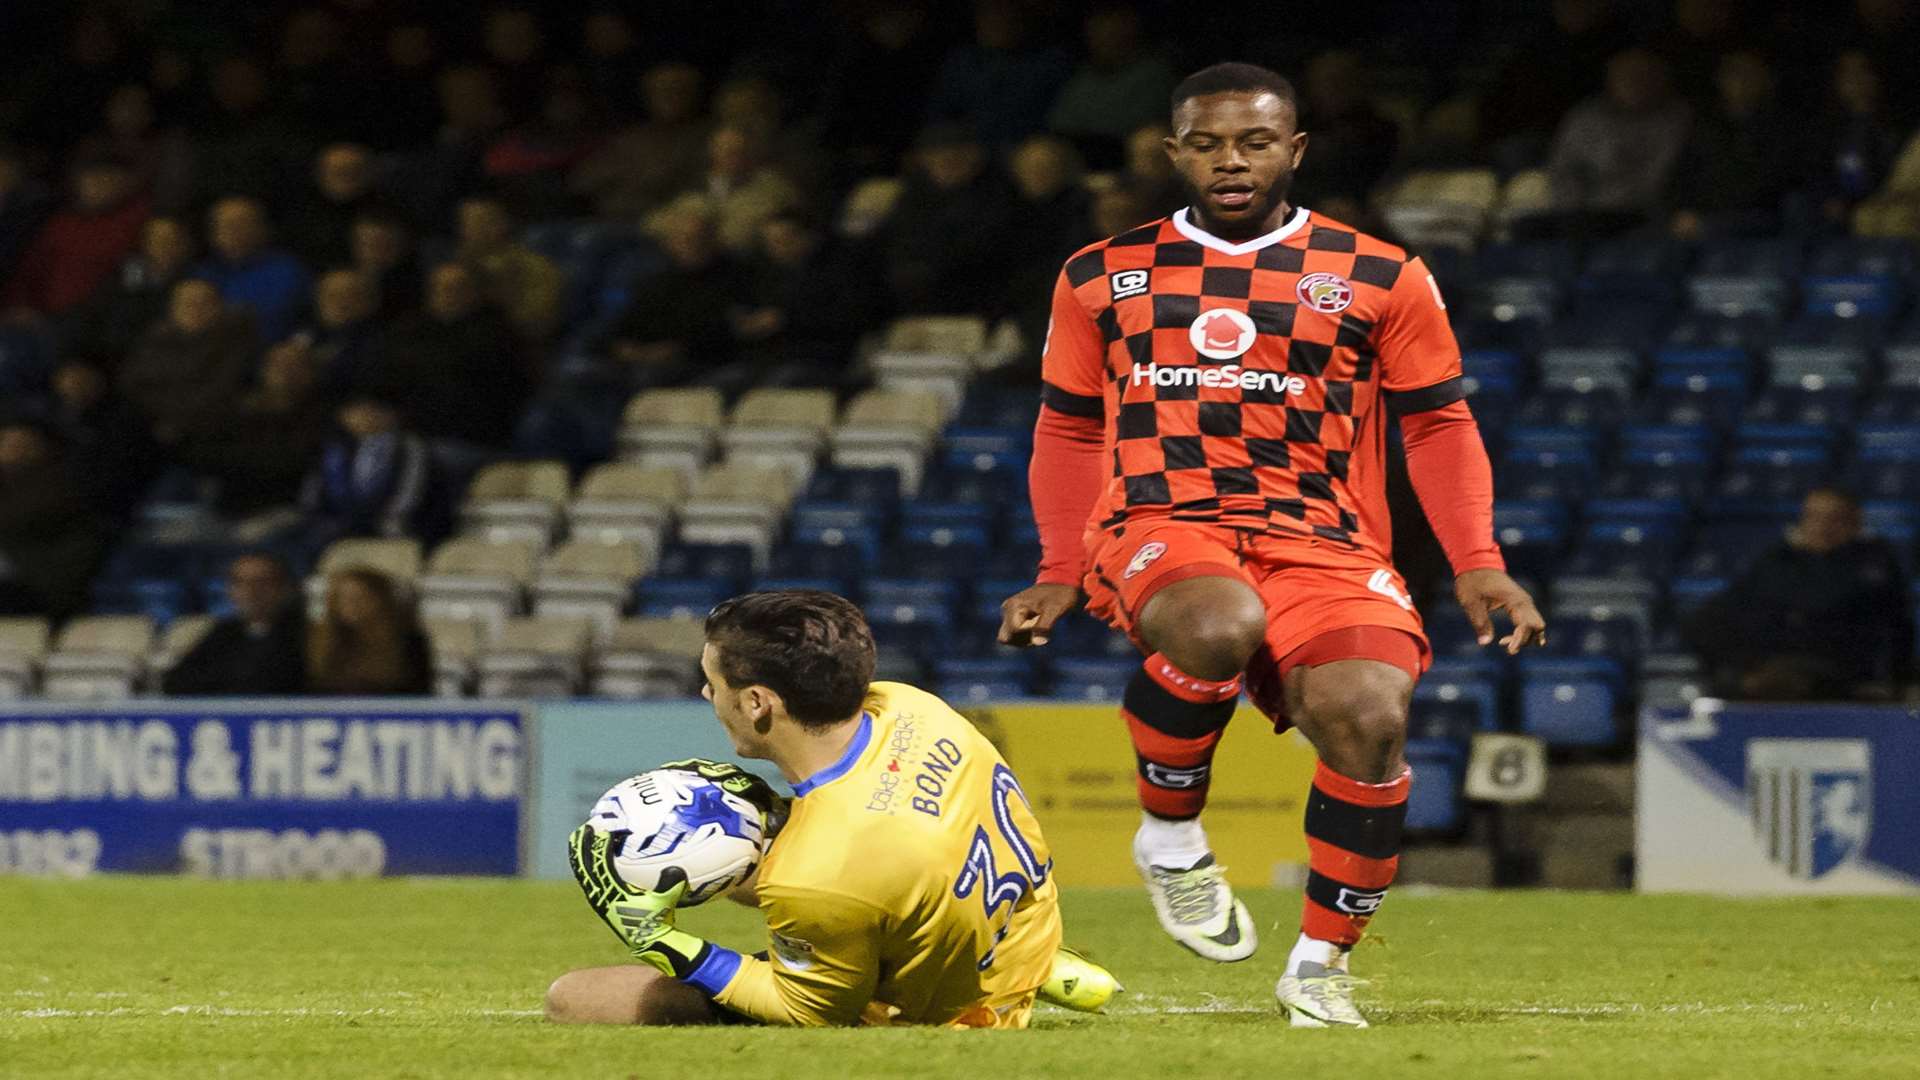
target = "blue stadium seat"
x: 1763, y: 442
x: 913, y: 599
x: 994, y: 487
x: 1863, y: 332
x: 728, y: 564
x: 1495, y: 363
x: 1534, y: 473
x: 942, y: 533
x: 1687, y: 593
x: 1435, y: 803
x: 1625, y: 328
x: 859, y: 538
x: 1624, y: 549
x: 681, y: 597
x: 1493, y: 400
x: 999, y: 407
x: 922, y: 559
x: 1551, y: 667
x: 1886, y: 256
x: 867, y: 487
x: 1532, y: 549
x: 1667, y: 438
x: 1640, y: 473
x: 159, y: 599
x: 1726, y: 548
x: 1884, y: 478
x: 938, y: 514
x: 1888, y: 442
x: 1702, y: 361
x: 1084, y: 679
x: 1534, y: 300
x: 1081, y: 635
x: 1569, y: 713
x: 984, y: 449
x: 1852, y: 296
x: 1508, y: 512
x: 1587, y: 635
x: 1595, y: 405
x: 818, y: 514
x: 1453, y: 706
x: 1636, y: 256
x: 972, y: 681
x: 1694, y: 398
x: 845, y: 586
x: 1892, y: 404
x: 1658, y: 512
x: 1489, y: 666
x: 990, y: 592
x: 1811, y: 403
x: 820, y: 560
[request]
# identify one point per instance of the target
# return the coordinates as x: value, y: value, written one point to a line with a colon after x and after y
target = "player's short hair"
x: 1234, y: 78
x: 811, y: 647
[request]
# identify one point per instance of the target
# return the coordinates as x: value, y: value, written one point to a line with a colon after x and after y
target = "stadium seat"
x: 1434, y: 802
x: 957, y: 335
x: 589, y: 579
x: 786, y: 428
x: 1453, y: 707
x: 1624, y: 548
x: 814, y: 527
x: 1529, y: 299
x: 1440, y: 208
x: 672, y: 428
x: 398, y: 559
x: 1596, y: 404
x: 1526, y: 194
x: 986, y: 450
x: 535, y: 657
x: 1812, y: 399
x: 650, y: 658
x: 478, y: 580
x: 456, y: 646
x: 97, y: 658
x: 175, y: 642
x: 1533, y: 550
x: 1726, y: 548
x: 1569, y: 714
x: 1852, y: 296
x: 1087, y: 679
x: 516, y: 500
x: 24, y: 642
x: 889, y: 429
x: 737, y: 504
x: 625, y: 503
x: 1666, y: 474
x: 1703, y: 330
x: 1540, y: 472
x: 1879, y: 256
x: 680, y: 597
x: 1779, y: 257
x: 1738, y: 296
x: 1687, y: 592
x: 972, y: 681
x: 1671, y: 691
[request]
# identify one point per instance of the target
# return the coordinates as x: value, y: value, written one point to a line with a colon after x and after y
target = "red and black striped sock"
x: 1353, y: 845
x: 1175, y: 720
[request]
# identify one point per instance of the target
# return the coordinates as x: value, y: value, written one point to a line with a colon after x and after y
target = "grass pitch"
x: 131, y: 977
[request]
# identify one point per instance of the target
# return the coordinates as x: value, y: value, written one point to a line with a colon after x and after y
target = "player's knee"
x: 1208, y: 627
x: 564, y: 999
x: 1361, y: 719
x: 614, y: 995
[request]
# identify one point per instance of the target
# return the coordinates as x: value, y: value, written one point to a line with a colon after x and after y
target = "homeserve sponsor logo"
x: 1226, y: 375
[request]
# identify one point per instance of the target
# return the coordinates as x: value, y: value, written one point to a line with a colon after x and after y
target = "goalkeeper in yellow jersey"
x: 910, y: 883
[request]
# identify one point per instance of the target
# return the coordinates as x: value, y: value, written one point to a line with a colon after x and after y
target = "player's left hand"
x: 1483, y: 592
x: 643, y: 921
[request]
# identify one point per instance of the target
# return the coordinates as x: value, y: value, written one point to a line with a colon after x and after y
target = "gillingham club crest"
x: 1328, y: 294
x: 1810, y: 801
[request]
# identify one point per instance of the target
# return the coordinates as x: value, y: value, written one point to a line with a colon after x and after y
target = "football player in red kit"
x: 1208, y: 476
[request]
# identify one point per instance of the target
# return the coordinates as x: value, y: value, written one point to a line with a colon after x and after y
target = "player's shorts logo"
x: 1384, y: 583
x: 1329, y: 294
x: 1127, y: 283
x: 1221, y: 333
x: 1144, y: 557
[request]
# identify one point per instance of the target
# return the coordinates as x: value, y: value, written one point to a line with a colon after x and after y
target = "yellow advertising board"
x: 1077, y: 766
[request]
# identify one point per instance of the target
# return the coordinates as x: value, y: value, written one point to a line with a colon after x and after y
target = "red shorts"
x: 1325, y: 601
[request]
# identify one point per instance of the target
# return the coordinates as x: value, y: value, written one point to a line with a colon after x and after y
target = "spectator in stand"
x: 1119, y: 88
x: 454, y: 367
x: 741, y: 193
x: 1702, y: 35
x: 947, y: 240
x: 999, y: 86
x: 374, y: 477
x: 611, y: 60
x: 311, y: 78
x: 320, y: 227
x: 643, y: 165
x: 244, y: 147
x: 814, y: 301
x: 259, y: 650
x: 188, y: 371
x: 521, y: 282
x: 1614, y: 155
x: 516, y: 54
x: 1120, y: 210
x: 529, y: 164
x: 430, y: 178
x: 79, y: 248
x: 1859, y: 141
x: 1149, y: 172
x: 104, y: 328
x: 888, y: 61
x: 113, y: 458
x: 1741, y: 160
x: 268, y: 283
x: 383, y: 253
x: 264, y: 443
x: 50, y: 538
x: 368, y: 643
x: 343, y: 337
x: 24, y: 203
x: 1822, y: 616
x: 399, y: 110
x: 1352, y: 143
x: 1049, y: 224
x: 679, y: 323
x: 1550, y: 70
x: 162, y: 161
x: 788, y: 148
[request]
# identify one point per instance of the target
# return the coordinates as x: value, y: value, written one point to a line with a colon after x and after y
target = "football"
x: 673, y: 824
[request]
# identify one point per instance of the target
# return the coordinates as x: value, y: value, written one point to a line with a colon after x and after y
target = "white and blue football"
x: 679, y: 825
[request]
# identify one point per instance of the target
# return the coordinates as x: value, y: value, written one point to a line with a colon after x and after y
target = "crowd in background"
x: 279, y: 253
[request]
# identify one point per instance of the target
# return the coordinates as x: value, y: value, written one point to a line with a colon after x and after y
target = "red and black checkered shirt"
x: 1240, y: 383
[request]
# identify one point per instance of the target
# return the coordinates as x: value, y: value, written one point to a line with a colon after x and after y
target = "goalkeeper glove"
x: 773, y: 806
x: 643, y: 921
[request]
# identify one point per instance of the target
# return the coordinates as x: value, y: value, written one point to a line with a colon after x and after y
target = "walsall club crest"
x: 1328, y: 294
x: 1811, y: 801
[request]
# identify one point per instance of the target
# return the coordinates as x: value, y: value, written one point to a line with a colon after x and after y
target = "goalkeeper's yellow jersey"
x: 911, y: 883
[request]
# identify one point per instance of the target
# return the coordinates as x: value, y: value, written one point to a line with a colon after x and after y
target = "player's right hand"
x: 1028, y: 616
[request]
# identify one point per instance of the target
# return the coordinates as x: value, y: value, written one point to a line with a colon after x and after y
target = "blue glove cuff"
x: 713, y: 969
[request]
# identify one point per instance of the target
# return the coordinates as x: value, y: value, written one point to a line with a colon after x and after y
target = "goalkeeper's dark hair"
x: 811, y: 647
x: 1233, y: 78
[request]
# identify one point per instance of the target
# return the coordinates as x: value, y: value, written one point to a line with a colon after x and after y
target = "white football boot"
x: 1318, y: 995
x: 1197, y: 907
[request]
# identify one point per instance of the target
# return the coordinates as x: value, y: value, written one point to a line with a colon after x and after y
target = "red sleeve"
x: 1066, y: 474
x: 1451, y: 475
x: 1419, y: 360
